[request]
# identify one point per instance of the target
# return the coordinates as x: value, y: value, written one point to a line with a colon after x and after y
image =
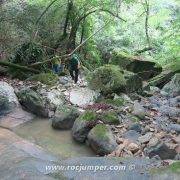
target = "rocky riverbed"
x: 119, y: 126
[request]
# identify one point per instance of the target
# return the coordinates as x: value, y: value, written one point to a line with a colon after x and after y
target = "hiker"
x: 56, y: 65
x: 74, y: 65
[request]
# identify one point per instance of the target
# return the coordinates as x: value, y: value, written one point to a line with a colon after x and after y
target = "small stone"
x: 176, y: 139
x: 131, y: 135
x: 145, y: 138
x: 133, y: 147
x: 153, y: 141
x: 160, y: 135
x: 136, y: 127
x: 152, y: 129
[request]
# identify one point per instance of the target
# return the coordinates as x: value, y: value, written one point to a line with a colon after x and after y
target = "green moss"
x: 115, y: 102
x: 121, y: 58
x: 45, y: 78
x: 88, y: 116
x: 100, y: 131
x: 110, y: 118
x: 107, y: 79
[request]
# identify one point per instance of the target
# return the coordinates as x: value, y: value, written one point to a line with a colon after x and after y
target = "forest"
x: 90, y: 83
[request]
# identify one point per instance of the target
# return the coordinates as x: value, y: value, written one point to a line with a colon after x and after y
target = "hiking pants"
x: 74, y: 74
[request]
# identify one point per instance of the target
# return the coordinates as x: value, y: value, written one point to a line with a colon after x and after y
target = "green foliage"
x: 28, y: 53
x: 20, y: 33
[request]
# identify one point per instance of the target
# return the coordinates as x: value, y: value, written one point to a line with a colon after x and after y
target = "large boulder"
x: 53, y: 98
x: 162, y: 150
x: 145, y: 68
x: 101, y: 139
x: 107, y: 79
x: 64, y: 117
x: 82, y: 96
x: 121, y: 58
x: 83, y: 125
x: 33, y: 102
x: 173, y: 87
x: 8, y: 99
x: 133, y: 82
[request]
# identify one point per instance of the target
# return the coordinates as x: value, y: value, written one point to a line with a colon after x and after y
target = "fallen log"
x: 23, y: 68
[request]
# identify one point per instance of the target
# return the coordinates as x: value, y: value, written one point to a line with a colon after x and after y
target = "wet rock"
x: 173, y: 87
x: 8, y: 99
x: 64, y: 117
x: 83, y: 125
x: 33, y: 102
x: 139, y: 110
x: 136, y: 127
x: 162, y: 151
x: 101, y: 140
x: 145, y: 138
x: 131, y: 135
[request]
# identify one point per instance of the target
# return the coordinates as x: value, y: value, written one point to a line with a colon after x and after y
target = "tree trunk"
x: 72, y: 37
x: 23, y: 68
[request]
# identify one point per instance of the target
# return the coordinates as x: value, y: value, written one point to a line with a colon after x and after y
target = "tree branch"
x: 68, y: 55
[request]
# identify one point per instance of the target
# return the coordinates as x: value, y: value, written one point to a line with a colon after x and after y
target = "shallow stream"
x: 58, y: 142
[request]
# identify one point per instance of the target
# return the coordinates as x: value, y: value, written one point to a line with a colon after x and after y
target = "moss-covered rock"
x: 114, y: 102
x: 132, y: 118
x: 110, y: 117
x: 83, y: 125
x: 33, y: 102
x: 121, y: 58
x: 107, y: 79
x: 133, y: 82
x: 64, y: 117
x: 45, y: 78
x: 145, y: 69
x: 101, y: 139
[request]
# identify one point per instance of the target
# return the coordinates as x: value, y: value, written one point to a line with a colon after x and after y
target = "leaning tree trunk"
x: 22, y: 68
